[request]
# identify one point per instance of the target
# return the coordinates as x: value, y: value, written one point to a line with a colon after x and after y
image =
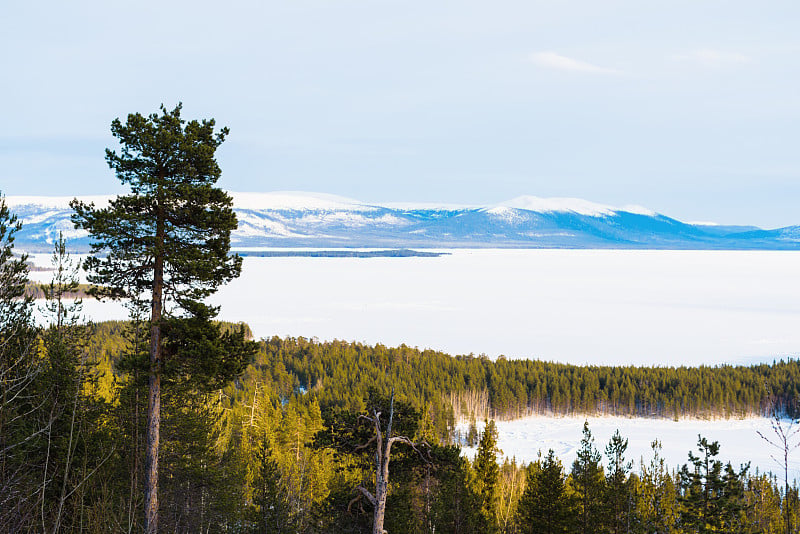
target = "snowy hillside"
x: 294, y: 219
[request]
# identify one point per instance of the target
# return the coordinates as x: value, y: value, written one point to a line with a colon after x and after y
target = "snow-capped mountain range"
x: 293, y: 219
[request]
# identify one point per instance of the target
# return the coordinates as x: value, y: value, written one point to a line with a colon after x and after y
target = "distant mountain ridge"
x: 294, y: 219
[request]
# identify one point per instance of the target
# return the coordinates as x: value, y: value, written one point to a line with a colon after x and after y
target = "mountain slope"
x: 291, y: 219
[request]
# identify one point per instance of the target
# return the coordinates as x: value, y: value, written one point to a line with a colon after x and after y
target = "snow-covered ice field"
x: 598, y: 307
x: 579, y: 306
x: 523, y: 438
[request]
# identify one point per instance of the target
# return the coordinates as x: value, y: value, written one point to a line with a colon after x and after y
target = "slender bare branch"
x: 364, y: 491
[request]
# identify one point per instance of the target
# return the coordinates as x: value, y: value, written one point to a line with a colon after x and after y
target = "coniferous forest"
x: 176, y: 422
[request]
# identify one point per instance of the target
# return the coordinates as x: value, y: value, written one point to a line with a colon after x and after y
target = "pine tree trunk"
x: 153, y: 431
x: 154, y: 394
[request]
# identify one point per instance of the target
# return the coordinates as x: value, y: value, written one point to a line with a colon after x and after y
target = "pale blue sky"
x: 691, y: 108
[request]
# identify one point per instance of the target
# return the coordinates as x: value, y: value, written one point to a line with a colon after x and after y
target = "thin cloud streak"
x: 552, y: 60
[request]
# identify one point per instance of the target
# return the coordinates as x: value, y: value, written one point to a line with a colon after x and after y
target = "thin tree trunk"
x: 382, y: 455
x: 381, y: 489
x: 70, y: 450
x: 786, y: 484
x: 154, y: 394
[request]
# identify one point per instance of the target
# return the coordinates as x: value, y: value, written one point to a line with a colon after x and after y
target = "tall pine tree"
x: 168, y: 243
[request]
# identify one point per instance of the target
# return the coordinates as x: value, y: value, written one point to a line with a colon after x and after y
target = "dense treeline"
x: 341, y: 372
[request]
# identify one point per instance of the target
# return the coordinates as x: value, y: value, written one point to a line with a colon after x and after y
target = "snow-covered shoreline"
x: 740, y: 443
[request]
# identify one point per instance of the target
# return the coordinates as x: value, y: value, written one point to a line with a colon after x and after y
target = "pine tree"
x: 166, y: 242
x: 763, y: 506
x: 656, y: 496
x: 618, y: 491
x: 455, y: 505
x: 702, y: 489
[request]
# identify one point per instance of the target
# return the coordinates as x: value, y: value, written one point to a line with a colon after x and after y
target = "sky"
x: 687, y: 107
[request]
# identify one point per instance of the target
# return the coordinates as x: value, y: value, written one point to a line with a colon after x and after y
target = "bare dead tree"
x: 786, y: 440
x: 383, y: 442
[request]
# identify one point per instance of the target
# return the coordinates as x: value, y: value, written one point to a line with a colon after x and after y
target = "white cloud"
x: 551, y: 60
x: 709, y: 56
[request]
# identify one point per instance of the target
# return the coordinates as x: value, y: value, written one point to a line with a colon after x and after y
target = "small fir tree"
x: 546, y: 506
x: 487, y: 475
x: 618, y: 490
x: 588, y: 481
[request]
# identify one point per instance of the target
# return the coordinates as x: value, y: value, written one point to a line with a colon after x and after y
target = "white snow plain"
x: 599, y: 307
x: 739, y: 442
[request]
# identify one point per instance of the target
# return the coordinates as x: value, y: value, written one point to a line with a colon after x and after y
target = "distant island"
x: 391, y: 253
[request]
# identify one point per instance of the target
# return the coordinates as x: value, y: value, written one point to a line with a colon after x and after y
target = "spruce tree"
x: 273, y: 513
x: 166, y: 245
x: 588, y: 480
x: 545, y: 506
x: 618, y: 491
x: 487, y: 475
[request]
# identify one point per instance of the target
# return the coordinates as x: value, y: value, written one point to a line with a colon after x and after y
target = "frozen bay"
x: 599, y: 307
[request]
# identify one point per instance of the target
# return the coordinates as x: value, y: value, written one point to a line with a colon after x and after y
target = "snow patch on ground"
x: 739, y: 442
